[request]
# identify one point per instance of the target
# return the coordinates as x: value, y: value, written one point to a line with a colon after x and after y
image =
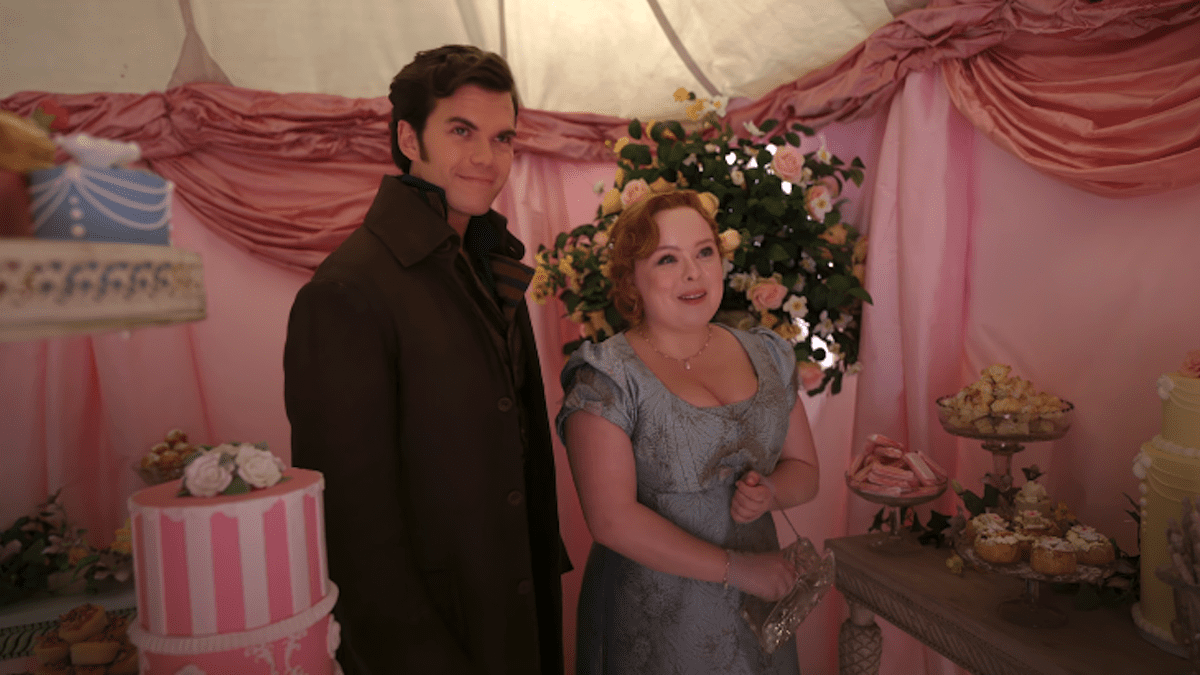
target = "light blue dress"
x: 632, y: 619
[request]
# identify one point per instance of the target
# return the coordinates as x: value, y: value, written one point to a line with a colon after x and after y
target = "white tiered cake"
x: 1169, y: 469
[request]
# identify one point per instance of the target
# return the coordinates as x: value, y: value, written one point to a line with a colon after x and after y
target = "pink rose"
x: 789, y: 164
x: 767, y: 294
x: 810, y: 374
x: 1191, y: 364
x: 633, y: 191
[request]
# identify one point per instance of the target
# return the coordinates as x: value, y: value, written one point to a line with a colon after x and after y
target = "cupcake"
x: 1052, y: 556
x: 1000, y: 547
x: 984, y: 522
x: 1091, y: 547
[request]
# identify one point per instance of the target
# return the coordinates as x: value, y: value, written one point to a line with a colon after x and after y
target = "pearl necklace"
x: 686, y: 361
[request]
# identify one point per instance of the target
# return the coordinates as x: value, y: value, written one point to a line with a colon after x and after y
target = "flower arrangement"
x: 45, y: 552
x: 791, y: 264
x: 230, y: 469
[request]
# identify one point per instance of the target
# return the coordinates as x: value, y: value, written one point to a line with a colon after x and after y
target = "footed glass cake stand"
x: 896, y: 542
x: 1004, y: 436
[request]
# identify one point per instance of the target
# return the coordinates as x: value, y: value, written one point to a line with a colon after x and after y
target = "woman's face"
x: 682, y: 281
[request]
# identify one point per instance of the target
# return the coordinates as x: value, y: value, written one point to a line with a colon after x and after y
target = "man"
x: 412, y: 382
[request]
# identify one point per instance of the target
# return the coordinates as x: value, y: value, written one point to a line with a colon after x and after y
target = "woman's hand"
x: 767, y: 575
x: 752, y: 498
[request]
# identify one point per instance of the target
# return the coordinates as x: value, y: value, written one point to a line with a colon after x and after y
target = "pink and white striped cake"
x: 234, y: 584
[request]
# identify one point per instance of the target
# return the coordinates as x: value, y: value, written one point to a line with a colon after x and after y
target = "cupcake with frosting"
x: 1032, y: 497
x: 1091, y: 547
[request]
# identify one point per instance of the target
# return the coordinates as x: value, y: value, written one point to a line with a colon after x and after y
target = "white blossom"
x: 796, y: 305
x: 824, y: 327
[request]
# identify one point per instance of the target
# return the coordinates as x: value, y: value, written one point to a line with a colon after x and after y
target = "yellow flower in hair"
x: 612, y: 202
x: 620, y: 144
x: 710, y: 201
x: 682, y: 94
x: 694, y: 110
x: 661, y: 185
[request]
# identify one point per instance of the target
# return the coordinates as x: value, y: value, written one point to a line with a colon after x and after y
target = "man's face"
x: 467, y: 149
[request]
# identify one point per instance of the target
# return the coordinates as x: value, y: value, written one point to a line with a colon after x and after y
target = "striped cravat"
x: 507, y: 278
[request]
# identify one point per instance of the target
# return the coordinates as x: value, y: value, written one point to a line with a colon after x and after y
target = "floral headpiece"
x: 231, y: 469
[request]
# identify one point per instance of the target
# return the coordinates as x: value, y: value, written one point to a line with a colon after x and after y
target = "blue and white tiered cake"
x: 94, y: 200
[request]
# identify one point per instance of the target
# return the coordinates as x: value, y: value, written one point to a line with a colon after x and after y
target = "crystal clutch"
x: 774, y: 623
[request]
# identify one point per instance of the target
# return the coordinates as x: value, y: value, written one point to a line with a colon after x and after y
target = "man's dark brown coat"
x: 423, y: 406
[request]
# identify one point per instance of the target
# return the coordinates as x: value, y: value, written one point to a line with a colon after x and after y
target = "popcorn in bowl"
x: 1001, y: 405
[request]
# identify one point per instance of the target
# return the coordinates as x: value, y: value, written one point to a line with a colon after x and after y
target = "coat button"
x: 515, y: 497
x: 525, y: 587
x: 504, y: 404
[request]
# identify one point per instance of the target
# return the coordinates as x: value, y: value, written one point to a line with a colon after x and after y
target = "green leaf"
x: 768, y: 125
x: 777, y: 253
x: 637, y: 153
x: 807, y: 131
x: 792, y: 139
x: 676, y: 128
x: 778, y: 141
x: 776, y: 206
x: 861, y: 293
x: 237, y: 486
x: 635, y: 129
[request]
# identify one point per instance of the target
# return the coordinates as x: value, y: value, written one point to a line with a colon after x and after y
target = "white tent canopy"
x: 617, y: 57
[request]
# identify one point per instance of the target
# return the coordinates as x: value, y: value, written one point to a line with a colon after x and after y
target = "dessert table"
x: 957, y: 616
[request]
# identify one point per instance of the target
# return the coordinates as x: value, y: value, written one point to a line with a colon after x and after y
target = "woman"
x: 682, y: 436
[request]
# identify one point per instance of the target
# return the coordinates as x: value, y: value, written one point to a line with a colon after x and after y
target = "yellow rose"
x: 619, y: 176
x: 731, y: 239
x: 661, y: 185
x: 621, y: 143
x: 835, y: 235
x: 788, y: 330
x: 768, y: 319
x: 711, y: 202
x: 612, y: 202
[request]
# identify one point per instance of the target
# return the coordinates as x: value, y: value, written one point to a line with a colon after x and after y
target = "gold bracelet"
x: 728, y: 560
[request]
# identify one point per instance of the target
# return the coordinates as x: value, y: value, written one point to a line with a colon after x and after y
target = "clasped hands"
x: 767, y: 575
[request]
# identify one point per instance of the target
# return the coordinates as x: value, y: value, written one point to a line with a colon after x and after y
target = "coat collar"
x: 409, y: 217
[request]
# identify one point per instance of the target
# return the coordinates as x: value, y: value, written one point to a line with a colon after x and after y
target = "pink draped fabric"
x: 288, y: 176
x: 1103, y: 95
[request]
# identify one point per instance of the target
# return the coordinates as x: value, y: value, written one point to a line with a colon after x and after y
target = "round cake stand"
x: 1028, y: 611
x: 1004, y: 446
x: 896, y: 542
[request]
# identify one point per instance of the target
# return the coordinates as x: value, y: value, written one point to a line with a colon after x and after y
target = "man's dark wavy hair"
x: 438, y: 73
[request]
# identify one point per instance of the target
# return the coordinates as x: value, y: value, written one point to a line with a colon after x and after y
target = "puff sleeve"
x: 595, y: 381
